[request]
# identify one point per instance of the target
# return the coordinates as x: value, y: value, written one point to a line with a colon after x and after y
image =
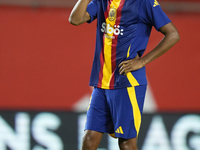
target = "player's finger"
x: 123, y: 67
x: 127, y: 69
x: 124, y: 70
x: 123, y: 63
x: 121, y: 70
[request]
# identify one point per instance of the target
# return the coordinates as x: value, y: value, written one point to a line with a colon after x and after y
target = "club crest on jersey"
x: 112, y: 14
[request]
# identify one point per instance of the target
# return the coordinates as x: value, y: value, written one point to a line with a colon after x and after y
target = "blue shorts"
x: 116, y: 111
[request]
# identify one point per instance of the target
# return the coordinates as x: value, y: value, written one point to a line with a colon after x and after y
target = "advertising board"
x: 64, y: 131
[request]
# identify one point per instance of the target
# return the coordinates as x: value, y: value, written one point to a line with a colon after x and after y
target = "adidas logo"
x: 119, y: 130
x: 155, y: 3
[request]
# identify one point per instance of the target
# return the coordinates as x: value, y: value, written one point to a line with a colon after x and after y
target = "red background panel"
x: 45, y: 62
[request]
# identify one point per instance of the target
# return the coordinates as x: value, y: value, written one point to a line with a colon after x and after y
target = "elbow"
x: 74, y: 21
x: 177, y: 36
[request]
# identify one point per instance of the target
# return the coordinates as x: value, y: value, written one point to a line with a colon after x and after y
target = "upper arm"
x: 169, y: 29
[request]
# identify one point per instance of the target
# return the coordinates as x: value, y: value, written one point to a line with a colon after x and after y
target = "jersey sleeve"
x: 92, y: 10
x: 153, y: 14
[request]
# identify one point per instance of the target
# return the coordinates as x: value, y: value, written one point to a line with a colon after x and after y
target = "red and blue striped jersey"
x: 123, y: 30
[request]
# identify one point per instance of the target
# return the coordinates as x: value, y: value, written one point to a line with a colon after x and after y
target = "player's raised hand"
x: 131, y: 65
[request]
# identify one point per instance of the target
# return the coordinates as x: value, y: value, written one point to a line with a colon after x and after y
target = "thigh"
x: 98, y: 113
x: 126, y: 107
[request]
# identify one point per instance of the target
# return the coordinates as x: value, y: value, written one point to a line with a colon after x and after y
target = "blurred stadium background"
x: 44, y: 72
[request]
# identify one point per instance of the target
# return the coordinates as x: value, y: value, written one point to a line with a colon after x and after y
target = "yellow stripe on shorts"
x: 136, y: 110
x: 89, y: 103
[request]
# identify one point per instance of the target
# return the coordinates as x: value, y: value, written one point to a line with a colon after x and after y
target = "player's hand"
x: 131, y: 65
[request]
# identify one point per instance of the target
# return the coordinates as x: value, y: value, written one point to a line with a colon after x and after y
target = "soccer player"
x: 118, y: 72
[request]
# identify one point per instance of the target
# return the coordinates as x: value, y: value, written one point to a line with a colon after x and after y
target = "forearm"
x: 78, y: 14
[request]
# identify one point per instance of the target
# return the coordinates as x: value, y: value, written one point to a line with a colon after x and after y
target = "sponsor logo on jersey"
x: 111, y: 30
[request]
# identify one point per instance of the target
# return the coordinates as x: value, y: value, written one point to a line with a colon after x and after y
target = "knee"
x: 91, y: 140
x: 88, y: 143
x: 127, y: 145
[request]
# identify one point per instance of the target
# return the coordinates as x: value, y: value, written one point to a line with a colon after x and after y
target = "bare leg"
x: 127, y: 144
x: 91, y: 140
